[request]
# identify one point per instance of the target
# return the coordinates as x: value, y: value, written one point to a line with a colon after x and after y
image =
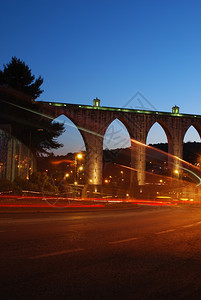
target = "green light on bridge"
x: 174, y: 113
x: 58, y: 104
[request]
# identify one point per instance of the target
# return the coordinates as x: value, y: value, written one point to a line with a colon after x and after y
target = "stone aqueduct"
x: 93, y: 121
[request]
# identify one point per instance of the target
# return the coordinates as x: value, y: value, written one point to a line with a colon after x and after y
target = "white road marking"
x: 165, y: 231
x: 123, y: 241
x: 56, y: 253
x: 190, y: 225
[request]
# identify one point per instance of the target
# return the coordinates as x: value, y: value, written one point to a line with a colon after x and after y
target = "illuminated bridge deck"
x: 128, y: 110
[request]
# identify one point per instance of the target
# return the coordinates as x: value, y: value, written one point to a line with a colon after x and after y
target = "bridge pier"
x: 141, y: 164
x: 133, y: 175
x: 138, y: 166
x: 175, y: 149
x: 94, y: 164
x: 176, y: 162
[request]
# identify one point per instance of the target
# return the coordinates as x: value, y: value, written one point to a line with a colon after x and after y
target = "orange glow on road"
x: 57, y: 162
x: 48, y: 205
x: 65, y: 202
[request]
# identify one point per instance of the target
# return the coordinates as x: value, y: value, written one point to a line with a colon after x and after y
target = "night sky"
x: 110, y: 50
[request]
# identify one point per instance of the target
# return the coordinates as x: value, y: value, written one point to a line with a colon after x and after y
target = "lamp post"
x: 77, y: 157
x: 176, y: 172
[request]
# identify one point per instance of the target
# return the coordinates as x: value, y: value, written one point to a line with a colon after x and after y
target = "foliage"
x: 26, y: 185
x: 18, y: 76
x: 38, y: 182
x: 18, y: 92
x: 43, y: 181
x: 6, y: 185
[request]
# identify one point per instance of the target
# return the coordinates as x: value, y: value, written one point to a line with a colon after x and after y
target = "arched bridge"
x: 93, y: 121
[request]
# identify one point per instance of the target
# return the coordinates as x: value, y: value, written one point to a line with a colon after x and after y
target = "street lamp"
x: 77, y: 157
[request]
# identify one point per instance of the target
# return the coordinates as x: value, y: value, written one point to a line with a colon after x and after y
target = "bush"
x: 25, y: 184
x: 17, y: 190
x: 44, y: 182
x: 38, y: 182
x: 6, y: 185
x: 22, y: 183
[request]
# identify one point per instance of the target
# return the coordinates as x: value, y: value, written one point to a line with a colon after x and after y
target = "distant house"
x: 16, y: 160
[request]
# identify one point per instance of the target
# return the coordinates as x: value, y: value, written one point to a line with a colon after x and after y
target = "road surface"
x: 101, y: 253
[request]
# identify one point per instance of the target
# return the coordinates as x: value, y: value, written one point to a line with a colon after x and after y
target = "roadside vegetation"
x: 37, y: 183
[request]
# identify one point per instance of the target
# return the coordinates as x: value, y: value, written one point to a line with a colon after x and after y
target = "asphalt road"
x: 130, y: 253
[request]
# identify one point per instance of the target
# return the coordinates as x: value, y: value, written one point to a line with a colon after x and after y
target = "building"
x: 16, y: 160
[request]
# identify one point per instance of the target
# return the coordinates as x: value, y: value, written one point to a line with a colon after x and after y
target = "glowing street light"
x: 77, y: 157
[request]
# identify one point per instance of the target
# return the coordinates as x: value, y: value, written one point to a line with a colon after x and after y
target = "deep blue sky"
x: 108, y: 49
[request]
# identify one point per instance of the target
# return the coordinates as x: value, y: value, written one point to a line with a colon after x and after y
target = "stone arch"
x: 167, y: 133
x: 164, y: 127
x: 117, y: 160
x: 93, y: 156
x: 119, y: 134
x: 73, y: 125
x: 120, y: 119
x: 168, y: 158
x: 156, y: 157
x: 195, y: 127
x: 192, y: 135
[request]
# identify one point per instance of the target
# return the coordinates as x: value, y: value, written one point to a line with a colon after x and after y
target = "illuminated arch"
x: 116, y: 163
x: 160, y: 159
x: 192, y: 134
x: 159, y: 127
x: 116, y: 135
x: 72, y: 138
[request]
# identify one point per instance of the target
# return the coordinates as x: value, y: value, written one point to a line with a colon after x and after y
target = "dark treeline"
x: 191, y: 153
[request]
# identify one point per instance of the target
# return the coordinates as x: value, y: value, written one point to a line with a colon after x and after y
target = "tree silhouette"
x: 18, y: 76
x: 18, y: 108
